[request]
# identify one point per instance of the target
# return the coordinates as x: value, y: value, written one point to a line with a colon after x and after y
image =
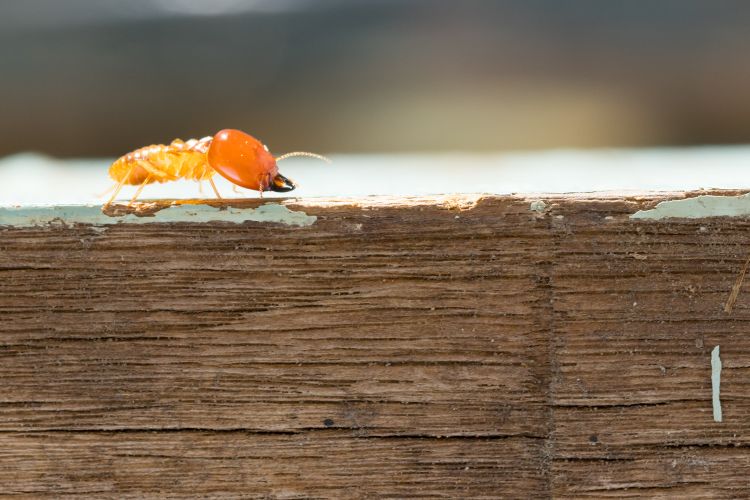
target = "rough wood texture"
x: 399, y: 348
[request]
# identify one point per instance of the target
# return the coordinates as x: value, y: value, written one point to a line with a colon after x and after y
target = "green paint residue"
x: 698, y: 208
x: 92, y: 214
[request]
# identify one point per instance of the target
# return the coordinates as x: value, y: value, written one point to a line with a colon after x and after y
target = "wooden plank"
x: 327, y: 464
x: 638, y: 308
x: 563, y: 352
x: 251, y: 329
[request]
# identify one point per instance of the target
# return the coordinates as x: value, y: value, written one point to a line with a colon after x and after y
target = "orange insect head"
x: 245, y: 161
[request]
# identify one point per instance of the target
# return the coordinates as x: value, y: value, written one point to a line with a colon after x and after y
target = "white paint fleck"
x: 699, y: 207
x: 537, y: 206
x: 92, y: 214
x: 716, y: 382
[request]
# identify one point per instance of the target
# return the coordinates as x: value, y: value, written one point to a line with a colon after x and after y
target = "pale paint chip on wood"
x: 698, y: 207
x: 194, y: 213
x: 716, y: 383
x: 537, y: 206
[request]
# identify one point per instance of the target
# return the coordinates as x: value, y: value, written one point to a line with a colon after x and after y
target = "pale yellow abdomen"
x: 162, y: 163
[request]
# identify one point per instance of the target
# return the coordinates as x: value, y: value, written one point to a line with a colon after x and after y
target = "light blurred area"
x: 98, y: 78
x: 37, y: 180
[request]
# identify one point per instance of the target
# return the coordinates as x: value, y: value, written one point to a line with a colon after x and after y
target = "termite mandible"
x: 239, y: 157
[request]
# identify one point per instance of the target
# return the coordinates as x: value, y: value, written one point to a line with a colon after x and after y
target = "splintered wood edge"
x: 456, y: 202
x: 294, y: 211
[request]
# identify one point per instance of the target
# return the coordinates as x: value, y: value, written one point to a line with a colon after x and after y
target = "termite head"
x: 246, y: 162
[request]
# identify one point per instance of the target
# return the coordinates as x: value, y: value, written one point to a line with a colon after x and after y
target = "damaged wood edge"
x: 92, y: 214
x: 288, y: 211
x: 454, y: 202
x: 295, y: 211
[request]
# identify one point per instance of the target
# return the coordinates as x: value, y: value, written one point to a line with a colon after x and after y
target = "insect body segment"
x: 178, y: 160
x: 235, y: 155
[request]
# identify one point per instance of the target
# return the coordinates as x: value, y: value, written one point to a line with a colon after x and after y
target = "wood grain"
x: 393, y: 348
x: 322, y: 464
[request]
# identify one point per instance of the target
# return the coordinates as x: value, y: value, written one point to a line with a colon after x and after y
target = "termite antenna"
x: 303, y: 153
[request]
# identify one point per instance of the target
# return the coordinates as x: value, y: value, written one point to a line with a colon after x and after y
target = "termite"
x: 239, y: 157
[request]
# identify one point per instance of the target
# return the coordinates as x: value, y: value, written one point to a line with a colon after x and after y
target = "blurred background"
x: 85, y: 78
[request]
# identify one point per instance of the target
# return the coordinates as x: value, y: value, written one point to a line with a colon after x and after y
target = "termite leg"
x: 107, y: 191
x: 211, y: 180
x: 114, y: 195
x: 117, y: 189
x: 234, y: 188
x: 139, y: 190
x: 200, y: 187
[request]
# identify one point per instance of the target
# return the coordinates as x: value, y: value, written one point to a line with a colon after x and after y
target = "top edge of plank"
x: 305, y: 211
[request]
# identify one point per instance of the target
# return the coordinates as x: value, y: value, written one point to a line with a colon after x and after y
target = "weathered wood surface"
x: 398, y: 349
